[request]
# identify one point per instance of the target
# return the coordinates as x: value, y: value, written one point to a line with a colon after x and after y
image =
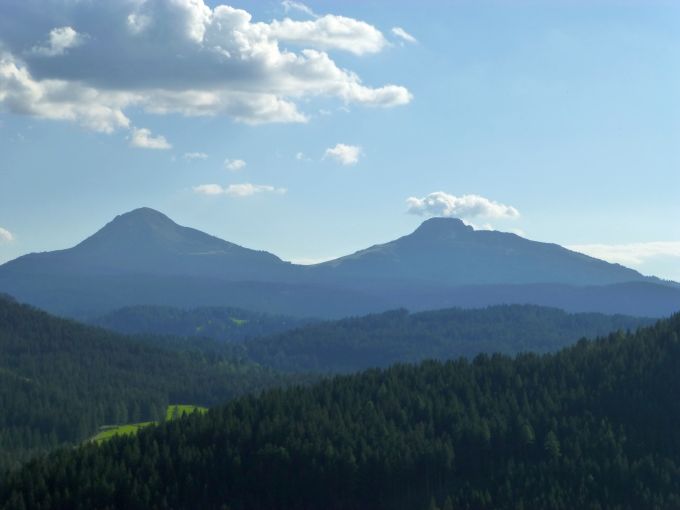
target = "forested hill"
x: 219, y: 323
x: 380, y: 340
x: 594, y: 427
x: 60, y: 380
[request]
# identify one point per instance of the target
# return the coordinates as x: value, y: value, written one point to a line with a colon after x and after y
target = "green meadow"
x: 173, y: 412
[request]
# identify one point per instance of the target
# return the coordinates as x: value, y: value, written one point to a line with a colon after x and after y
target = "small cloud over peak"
x: 143, y: 139
x: 404, y: 35
x: 234, y: 165
x: 344, y: 154
x: 466, y: 207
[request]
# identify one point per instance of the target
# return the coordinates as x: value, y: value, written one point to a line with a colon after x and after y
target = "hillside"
x: 380, y: 340
x: 223, y: 324
x: 144, y: 258
x: 594, y: 426
x: 61, y: 380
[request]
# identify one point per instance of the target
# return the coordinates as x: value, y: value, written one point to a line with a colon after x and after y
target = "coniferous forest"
x: 61, y: 380
x: 576, y: 429
x: 379, y: 340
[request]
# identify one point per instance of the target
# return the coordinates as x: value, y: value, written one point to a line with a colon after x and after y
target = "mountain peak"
x: 442, y: 227
x: 143, y: 215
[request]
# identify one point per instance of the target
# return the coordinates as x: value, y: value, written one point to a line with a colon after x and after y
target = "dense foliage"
x: 592, y: 427
x: 219, y: 323
x: 60, y: 380
x: 383, y: 339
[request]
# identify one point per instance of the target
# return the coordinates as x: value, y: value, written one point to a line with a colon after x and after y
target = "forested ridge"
x: 380, y: 340
x: 591, y: 427
x: 219, y: 323
x: 61, y: 380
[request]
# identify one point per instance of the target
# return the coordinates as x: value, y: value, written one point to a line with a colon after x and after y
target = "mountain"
x: 594, y: 426
x: 381, y: 340
x: 144, y: 258
x: 446, y: 252
x: 61, y: 380
x: 146, y: 242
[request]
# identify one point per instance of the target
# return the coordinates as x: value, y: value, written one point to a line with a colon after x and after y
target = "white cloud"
x: 344, y: 154
x: 137, y: 23
x: 209, y: 189
x: 330, y: 32
x: 60, y: 99
x: 290, y: 5
x: 6, y: 235
x: 234, y: 164
x: 191, y: 156
x: 142, y: 138
x: 237, y: 190
x: 632, y: 254
x: 60, y: 40
x: 179, y: 57
x: 467, y: 207
x: 404, y: 35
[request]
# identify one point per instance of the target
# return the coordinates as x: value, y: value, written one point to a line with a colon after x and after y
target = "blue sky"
x: 321, y: 135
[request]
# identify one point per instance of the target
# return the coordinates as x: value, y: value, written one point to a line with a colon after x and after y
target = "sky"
x: 315, y: 129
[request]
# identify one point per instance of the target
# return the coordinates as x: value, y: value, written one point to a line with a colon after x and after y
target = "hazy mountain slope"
x: 393, y: 337
x: 594, y: 426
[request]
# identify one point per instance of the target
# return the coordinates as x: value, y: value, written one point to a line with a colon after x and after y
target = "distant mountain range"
x: 144, y: 258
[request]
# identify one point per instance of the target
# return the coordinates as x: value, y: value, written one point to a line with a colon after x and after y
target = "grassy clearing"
x: 179, y: 410
x: 108, y: 431
x: 171, y: 413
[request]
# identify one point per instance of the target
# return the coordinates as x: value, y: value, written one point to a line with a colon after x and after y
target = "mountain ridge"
x: 144, y: 258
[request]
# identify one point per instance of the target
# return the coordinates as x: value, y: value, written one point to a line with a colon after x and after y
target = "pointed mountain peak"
x: 435, y: 228
x: 143, y: 215
x: 144, y: 227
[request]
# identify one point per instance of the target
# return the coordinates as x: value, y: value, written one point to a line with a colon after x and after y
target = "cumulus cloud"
x: 234, y: 164
x: 330, y: 32
x: 180, y: 57
x: 632, y: 254
x: 21, y: 94
x: 6, y: 236
x: 468, y: 207
x: 237, y: 190
x: 404, y: 35
x: 142, y: 138
x: 60, y: 40
x: 191, y: 156
x: 344, y: 154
